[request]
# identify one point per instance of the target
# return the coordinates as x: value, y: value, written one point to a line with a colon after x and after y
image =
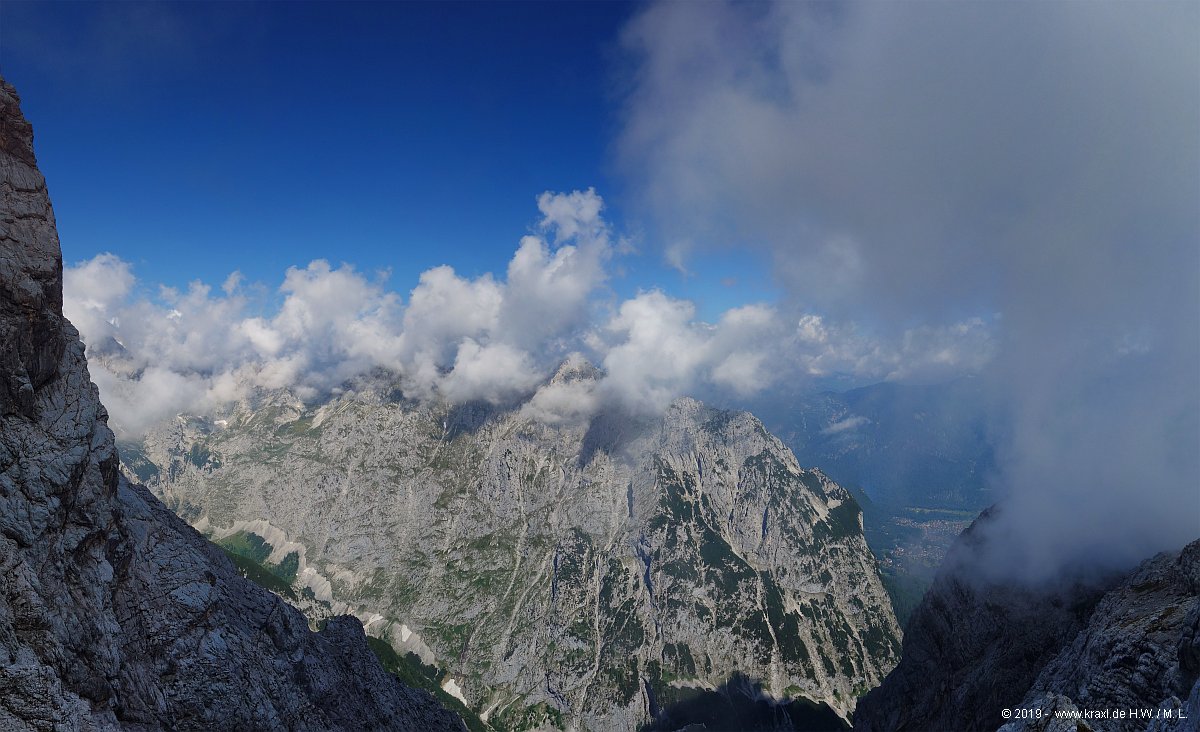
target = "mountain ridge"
x: 508, y: 546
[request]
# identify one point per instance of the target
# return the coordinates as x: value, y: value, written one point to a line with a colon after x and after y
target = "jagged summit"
x: 114, y: 614
x: 575, y: 368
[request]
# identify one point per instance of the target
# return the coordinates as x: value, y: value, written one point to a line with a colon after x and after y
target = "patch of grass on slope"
x: 248, y: 545
x: 260, y: 575
x: 253, y: 547
x: 408, y: 668
x: 412, y: 672
x: 287, y: 569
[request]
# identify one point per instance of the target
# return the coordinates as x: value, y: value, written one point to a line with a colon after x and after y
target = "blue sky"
x: 195, y: 139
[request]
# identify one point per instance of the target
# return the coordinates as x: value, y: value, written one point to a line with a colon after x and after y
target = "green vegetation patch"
x: 254, y: 549
x: 247, y: 544
x: 723, y: 568
x: 841, y: 523
x: 288, y: 568
x: 296, y: 428
x: 625, y: 679
x: 679, y: 656
x: 538, y: 716
x: 201, y: 456
x: 412, y: 672
x: 786, y: 625
x: 260, y: 575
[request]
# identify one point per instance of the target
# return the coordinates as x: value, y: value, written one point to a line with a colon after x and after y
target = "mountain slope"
x: 976, y: 647
x: 582, y: 574
x: 1139, y: 650
x: 114, y: 614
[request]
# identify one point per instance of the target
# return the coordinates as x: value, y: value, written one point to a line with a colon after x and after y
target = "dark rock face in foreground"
x: 975, y: 648
x: 1140, y: 650
x: 114, y: 614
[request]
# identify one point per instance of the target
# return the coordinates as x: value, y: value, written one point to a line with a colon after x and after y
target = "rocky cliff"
x: 592, y: 575
x: 1140, y: 650
x: 114, y: 614
x: 976, y: 647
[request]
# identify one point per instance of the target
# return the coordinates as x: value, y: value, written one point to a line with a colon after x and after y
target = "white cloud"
x: 232, y: 282
x: 455, y: 339
x: 845, y: 424
x: 497, y: 372
x: 656, y: 351
x: 811, y: 329
x: 1007, y: 162
x: 742, y: 372
x: 95, y: 290
x: 574, y: 215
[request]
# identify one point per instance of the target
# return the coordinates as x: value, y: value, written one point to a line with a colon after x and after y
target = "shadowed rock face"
x: 113, y: 612
x: 1139, y: 650
x: 975, y: 648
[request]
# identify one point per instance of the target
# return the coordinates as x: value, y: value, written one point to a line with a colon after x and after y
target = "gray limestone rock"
x: 1137, y: 653
x: 587, y: 575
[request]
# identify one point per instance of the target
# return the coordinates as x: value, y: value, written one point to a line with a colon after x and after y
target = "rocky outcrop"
x: 1140, y: 650
x: 587, y: 575
x: 114, y: 614
x: 976, y: 647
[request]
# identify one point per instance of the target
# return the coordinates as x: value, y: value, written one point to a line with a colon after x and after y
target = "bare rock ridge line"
x: 114, y: 614
x: 974, y: 648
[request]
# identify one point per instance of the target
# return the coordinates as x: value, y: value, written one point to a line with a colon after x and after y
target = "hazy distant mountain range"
x: 929, y: 446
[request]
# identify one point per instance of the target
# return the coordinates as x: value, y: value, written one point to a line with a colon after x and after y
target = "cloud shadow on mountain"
x: 740, y: 704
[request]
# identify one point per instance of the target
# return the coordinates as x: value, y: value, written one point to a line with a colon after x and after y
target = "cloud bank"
x: 909, y: 162
x: 456, y: 339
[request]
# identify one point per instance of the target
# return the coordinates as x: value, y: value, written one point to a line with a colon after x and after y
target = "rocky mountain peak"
x: 31, y: 338
x: 575, y: 368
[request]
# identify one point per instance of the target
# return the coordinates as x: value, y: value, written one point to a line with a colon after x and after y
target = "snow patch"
x: 312, y: 579
x: 404, y: 638
x: 451, y: 687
